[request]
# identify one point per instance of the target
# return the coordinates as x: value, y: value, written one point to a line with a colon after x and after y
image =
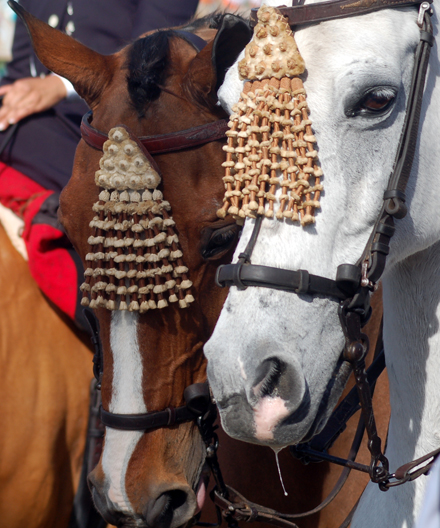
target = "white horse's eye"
x: 376, y: 102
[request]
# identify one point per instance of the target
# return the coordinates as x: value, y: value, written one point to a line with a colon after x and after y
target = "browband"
x: 191, y: 137
x: 314, y: 13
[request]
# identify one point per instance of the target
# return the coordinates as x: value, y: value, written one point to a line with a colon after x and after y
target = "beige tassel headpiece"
x: 135, y: 258
x: 270, y: 130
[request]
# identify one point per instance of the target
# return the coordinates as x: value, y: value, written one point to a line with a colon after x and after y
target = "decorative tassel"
x: 135, y: 259
x: 270, y: 131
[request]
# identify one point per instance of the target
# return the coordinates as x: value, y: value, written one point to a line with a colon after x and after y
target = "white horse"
x: 274, y: 360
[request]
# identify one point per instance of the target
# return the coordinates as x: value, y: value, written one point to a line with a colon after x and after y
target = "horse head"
x: 159, y: 84
x: 274, y: 360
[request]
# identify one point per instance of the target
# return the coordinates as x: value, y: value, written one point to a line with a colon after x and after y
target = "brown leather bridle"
x: 163, y: 143
x: 159, y: 144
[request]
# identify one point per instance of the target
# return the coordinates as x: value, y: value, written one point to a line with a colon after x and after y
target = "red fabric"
x: 50, y: 263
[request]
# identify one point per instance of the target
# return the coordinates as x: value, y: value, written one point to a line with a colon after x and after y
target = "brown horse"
x: 44, y: 378
x: 163, y: 84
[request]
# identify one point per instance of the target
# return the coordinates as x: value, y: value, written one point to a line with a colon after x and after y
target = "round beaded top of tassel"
x: 270, y: 131
x: 135, y: 261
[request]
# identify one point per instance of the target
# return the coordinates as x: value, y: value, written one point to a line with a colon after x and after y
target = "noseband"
x: 353, y: 283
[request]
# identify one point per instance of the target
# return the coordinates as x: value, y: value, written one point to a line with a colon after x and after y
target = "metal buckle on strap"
x: 424, y: 7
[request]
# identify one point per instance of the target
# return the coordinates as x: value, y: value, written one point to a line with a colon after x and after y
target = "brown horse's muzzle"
x: 168, y: 505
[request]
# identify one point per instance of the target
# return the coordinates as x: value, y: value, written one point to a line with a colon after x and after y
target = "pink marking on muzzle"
x: 267, y: 414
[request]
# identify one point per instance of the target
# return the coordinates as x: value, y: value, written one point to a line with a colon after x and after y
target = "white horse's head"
x: 274, y: 360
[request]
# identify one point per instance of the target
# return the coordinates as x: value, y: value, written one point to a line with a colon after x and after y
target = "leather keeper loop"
x: 236, y: 276
x: 379, y: 247
x: 304, y: 280
x: 348, y: 277
x: 172, y: 416
x: 427, y: 37
x: 394, y: 193
x: 385, y: 229
x: 217, y: 277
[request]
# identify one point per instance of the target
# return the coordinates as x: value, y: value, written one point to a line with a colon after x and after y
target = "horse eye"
x: 219, y: 241
x: 376, y: 102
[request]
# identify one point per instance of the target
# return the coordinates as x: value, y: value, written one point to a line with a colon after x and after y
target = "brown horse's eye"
x: 217, y: 242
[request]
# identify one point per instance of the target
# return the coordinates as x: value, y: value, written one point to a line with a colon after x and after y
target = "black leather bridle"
x: 353, y: 282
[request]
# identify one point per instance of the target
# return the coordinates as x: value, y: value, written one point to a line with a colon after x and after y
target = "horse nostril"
x: 167, y: 509
x: 268, y: 378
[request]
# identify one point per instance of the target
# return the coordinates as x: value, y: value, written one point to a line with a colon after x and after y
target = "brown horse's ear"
x: 87, y: 70
x: 208, y: 69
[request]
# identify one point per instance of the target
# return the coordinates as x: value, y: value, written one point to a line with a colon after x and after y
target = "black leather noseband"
x: 198, y: 402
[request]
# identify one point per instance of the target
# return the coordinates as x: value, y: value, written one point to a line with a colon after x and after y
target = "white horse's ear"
x: 87, y: 70
x: 208, y: 69
x: 230, y: 40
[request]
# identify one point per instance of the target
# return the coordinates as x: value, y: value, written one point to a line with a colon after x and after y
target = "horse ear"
x: 87, y: 70
x: 208, y: 69
x: 230, y: 40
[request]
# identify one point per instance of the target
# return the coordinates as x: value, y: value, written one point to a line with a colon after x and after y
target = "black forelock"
x: 147, y: 65
x: 148, y: 60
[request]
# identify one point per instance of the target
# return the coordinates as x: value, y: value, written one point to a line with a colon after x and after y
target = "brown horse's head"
x: 159, y: 84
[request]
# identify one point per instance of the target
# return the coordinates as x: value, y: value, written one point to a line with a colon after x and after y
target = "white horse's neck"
x: 412, y: 344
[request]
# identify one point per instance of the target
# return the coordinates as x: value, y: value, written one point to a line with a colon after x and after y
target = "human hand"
x: 29, y: 96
